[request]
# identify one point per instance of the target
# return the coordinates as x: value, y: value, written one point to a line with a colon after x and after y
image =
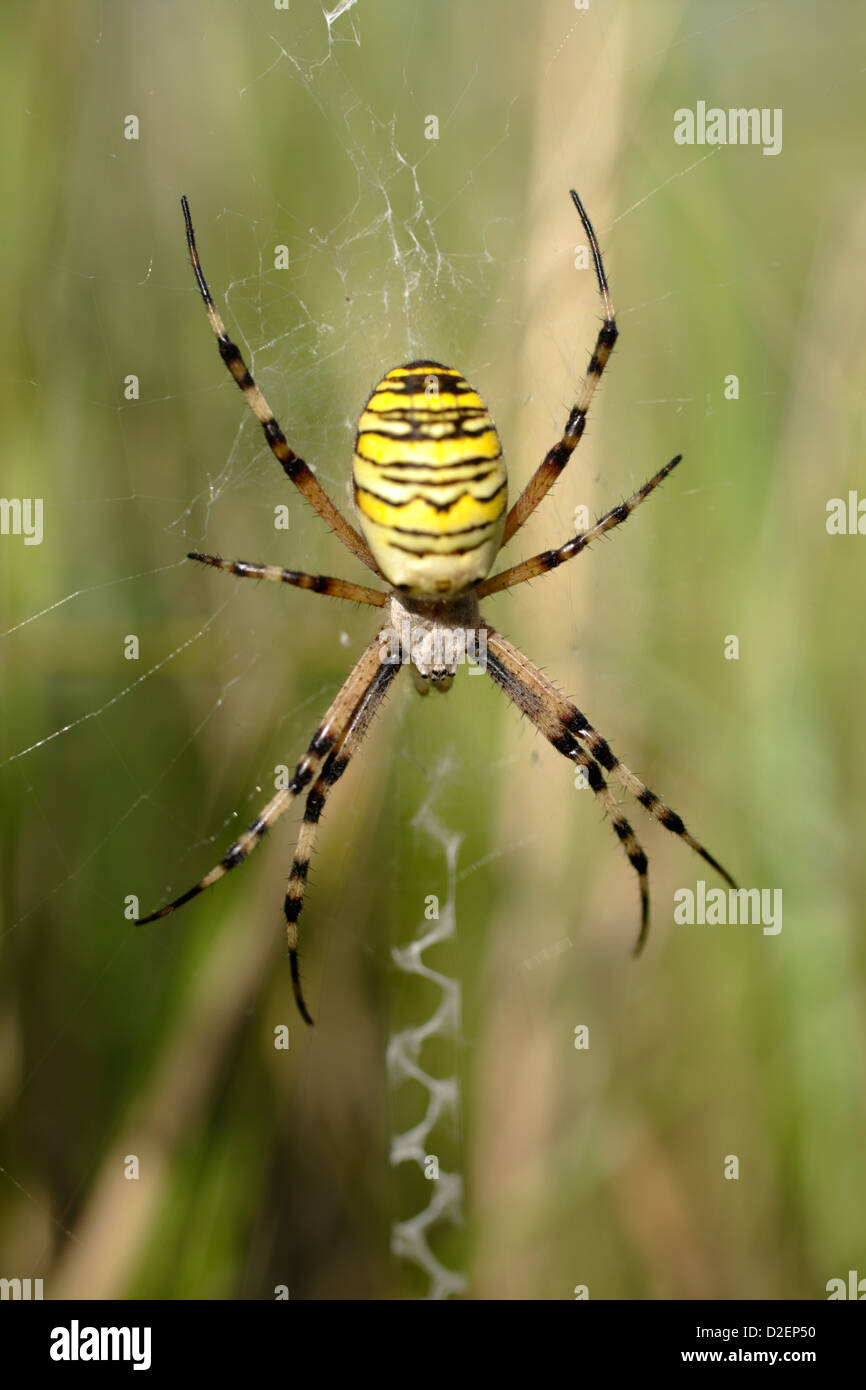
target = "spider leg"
x: 601, y: 750
x: 338, y: 761
x: 294, y: 467
x: 564, y: 725
x: 319, y: 583
x: 550, y: 559
x: 533, y: 693
x: 555, y: 460
x: 329, y: 733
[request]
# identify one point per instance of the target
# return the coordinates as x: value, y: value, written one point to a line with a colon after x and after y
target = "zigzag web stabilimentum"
x: 410, y: 1237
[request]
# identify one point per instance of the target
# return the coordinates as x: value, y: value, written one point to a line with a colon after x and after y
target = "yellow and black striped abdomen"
x: 430, y: 484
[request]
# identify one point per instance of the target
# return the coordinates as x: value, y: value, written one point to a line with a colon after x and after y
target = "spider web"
x: 374, y: 285
x: 417, y: 252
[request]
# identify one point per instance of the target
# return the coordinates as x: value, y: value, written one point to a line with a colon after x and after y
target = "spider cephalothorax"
x: 431, y: 493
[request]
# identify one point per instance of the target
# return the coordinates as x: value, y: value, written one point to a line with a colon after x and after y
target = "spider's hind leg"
x: 533, y: 693
x: 567, y: 728
x: 330, y: 774
x: 601, y: 750
x: 330, y: 732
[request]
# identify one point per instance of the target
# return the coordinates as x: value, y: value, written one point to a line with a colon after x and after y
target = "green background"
x: 260, y: 1167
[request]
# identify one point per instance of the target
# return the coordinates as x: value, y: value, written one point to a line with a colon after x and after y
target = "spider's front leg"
x: 296, y: 470
x: 556, y: 458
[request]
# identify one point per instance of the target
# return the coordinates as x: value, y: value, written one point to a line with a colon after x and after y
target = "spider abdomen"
x: 429, y: 479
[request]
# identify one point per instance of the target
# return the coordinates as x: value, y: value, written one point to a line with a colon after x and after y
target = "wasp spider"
x: 430, y: 491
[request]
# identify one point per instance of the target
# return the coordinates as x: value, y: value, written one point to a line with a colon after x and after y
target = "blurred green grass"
x: 262, y: 1168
